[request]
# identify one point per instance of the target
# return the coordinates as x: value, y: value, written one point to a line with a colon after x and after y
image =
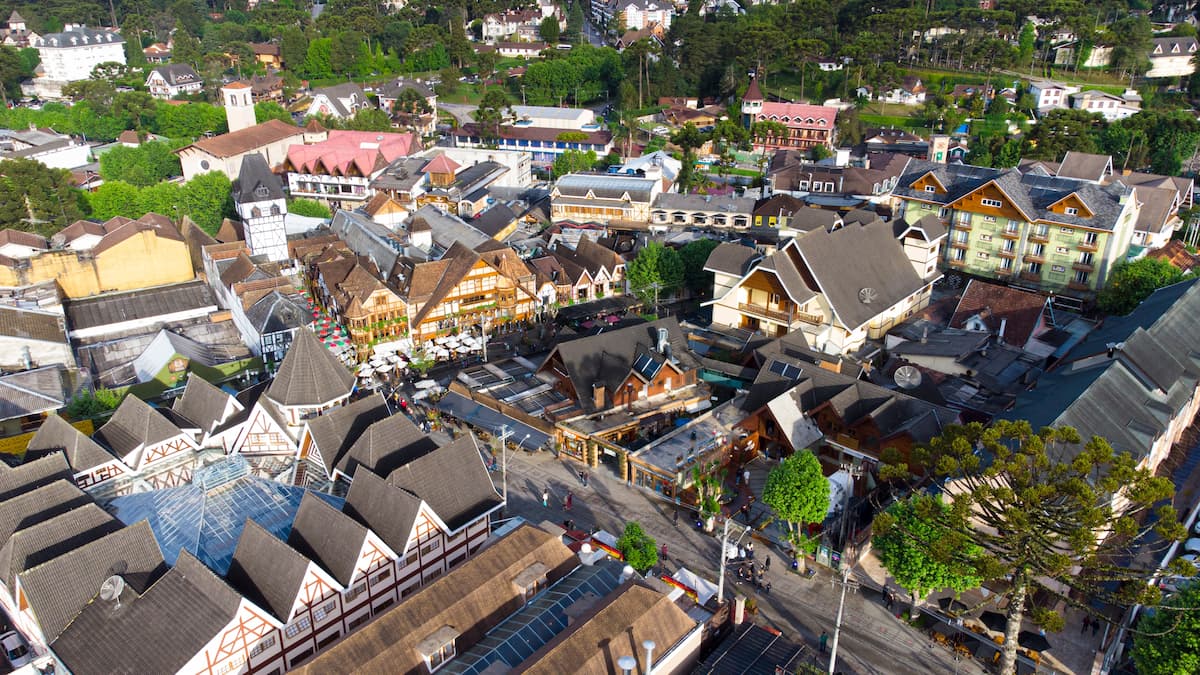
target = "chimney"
x: 1000, y: 333
x: 649, y: 645
x: 663, y: 340
x: 925, y: 335
x: 598, y: 396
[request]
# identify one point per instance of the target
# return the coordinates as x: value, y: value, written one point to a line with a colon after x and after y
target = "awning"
x: 484, y: 417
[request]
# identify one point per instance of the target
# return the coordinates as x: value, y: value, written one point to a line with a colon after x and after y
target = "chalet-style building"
x: 140, y: 435
x: 90, y: 463
x: 594, y: 270
x: 815, y: 284
x: 339, y: 169
x: 808, y: 126
x: 172, y: 80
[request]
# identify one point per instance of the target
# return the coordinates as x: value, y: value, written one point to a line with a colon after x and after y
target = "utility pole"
x: 724, y: 557
x: 505, y: 433
x: 845, y: 583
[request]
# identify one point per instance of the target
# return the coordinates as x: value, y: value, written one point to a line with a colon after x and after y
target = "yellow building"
x: 88, y: 258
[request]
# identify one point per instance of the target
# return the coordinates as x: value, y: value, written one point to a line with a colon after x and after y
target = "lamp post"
x: 505, y: 433
x: 855, y: 469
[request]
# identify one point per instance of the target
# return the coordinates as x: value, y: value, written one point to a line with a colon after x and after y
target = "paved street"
x: 873, y: 641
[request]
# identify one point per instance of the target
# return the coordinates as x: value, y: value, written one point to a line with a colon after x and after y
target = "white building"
x: 341, y: 101
x: 550, y: 117
x: 639, y: 14
x: 55, y: 150
x: 1112, y: 107
x: 1049, y: 95
x: 172, y: 80
x: 70, y: 56
x: 260, y: 202
x: 1172, y: 57
x: 224, y: 153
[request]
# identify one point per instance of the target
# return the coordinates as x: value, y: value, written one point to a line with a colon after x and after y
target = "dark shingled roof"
x: 32, y: 325
x: 729, y: 258
x: 328, y: 537
x: 57, y: 434
x: 156, y: 632
x: 453, y: 480
x: 51, y: 538
x: 36, y: 505
x: 389, y: 511
x: 202, y: 403
x: 267, y: 571
x: 335, y: 431
x: 310, y: 374
x: 135, y: 424
x: 59, y: 589
x: 103, y: 310
x: 32, y: 475
x: 255, y: 174
x: 385, y: 446
x: 928, y: 226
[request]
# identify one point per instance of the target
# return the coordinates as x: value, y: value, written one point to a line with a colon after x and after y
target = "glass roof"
x: 536, y: 624
x: 206, y: 516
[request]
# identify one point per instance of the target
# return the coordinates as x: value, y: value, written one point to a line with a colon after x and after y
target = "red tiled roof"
x: 441, y: 164
x: 1019, y: 311
x: 365, y: 150
x: 753, y: 93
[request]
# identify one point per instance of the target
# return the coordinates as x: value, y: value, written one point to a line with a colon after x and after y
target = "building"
x: 55, y: 150
x: 866, y: 182
x: 1050, y: 232
x: 70, y: 56
x: 262, y: 206
x: 91, y: 258
x: 16, y: 33
x: 695, y: 210
x: 341, y: 101
x: 157, y: 53
x: 603, y: 198
x: 224, y: 153
x: 31, y: 395
x: 268, y: 54
x: 549, y: 117
x: 238, y: 97
x: 173, y: 80
x: 807, y: 125
x: 32, y: 338
x: 1171, y: 57
x: 416, y: 110
x: 813, y: 285
x: 544, y: 143
x: 596, y: 272
x: 640, y: 14
x: 515, y: 24
x: 339, y: 170
x: 1049, y: 95
x: 140, y: 435
x: 1111, y: 106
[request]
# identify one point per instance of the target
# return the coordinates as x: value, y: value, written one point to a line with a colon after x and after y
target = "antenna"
x: 907, y: 377
x: 111, y: 589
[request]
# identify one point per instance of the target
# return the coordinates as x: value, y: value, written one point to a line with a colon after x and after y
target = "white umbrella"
x: 365, y: 370
x: 442, y: 353
x: 425, y: 384
x: 463, y: 349
x: 384, y: 368
x: 442, y: 340
x: 396, y: 358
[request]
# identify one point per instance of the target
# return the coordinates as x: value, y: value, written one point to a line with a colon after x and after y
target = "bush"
x: 639, y: 549
x: 86, y: 406
x: 309, y: 207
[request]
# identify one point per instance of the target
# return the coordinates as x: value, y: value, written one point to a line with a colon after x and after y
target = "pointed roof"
x: 15, y: 18
x: 56, y: 434
x: 63, y: 533
x: 389, y: 511
x: 386, y: 445
x: 267, y: 571
x: 452, y: 480
x: 753, y: 93
x: 135, y: 425
x: 334, y: 432
x: 328, y: 537
x: 255, y: 182
x: 202, y: 403
x: 314, y: 126
x: 441, y: 164
x: 32, y: 475
x: 310, y: 374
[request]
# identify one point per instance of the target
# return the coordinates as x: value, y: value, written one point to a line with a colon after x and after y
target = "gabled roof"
x: 389, y: 511
x: 928, y: 226
x: 731, y: 258
x: 1085, y: 166
x: 32, y: 475
x: 56, y: 434
x: 29, y: 392
x: 267, y: 571
x: 177, y: 74
x: 335, y: 431
x: 441, y: 164
x: 202, y: 403
x: 245, y: 140
x: 159, y: 631
x: 25, y: 324
x: 328, y: 537
x: 255, y: 182
x: 277, y: 311
x: 1017, y: 310
x: 38, y: 504
x: 310, y: 374
x: 29, y: 547
x: 753, y: 93
x: 57, y: 590
x: 453, y: 480
x: 385, y: 446
x: 135, y: 425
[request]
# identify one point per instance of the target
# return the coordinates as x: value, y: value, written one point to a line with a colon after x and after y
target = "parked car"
x: 1196, y: 528
x: 1192, y: 545
x: 16, y: 649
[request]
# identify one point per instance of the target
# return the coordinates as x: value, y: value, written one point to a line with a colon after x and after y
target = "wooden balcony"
x: 1003, y: 273
x: 1031, y: 277
x: 961, y: 224
x: 956, y: 263
x: 1039, y: 238
x: 1083, y: 267
x: 1031, y: 258
x: 1076, y: 286
x: 1011, y: 255
x: 763, y: 312
x: 1011, y: 234
x: 1091, y: 248
x: 960, y: 244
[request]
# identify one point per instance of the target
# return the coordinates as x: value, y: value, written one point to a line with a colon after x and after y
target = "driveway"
x: 461, y: 111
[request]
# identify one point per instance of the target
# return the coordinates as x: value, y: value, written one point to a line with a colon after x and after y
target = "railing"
x: 1034, y: 258
x: 1083, y: 267
x: 1006, y: 254
x: 1039, y: 238
x: 766, y: 313
x: 1031, y: 276
x: 960, y: 244
x: 1091, y: 247
x: 1011, y: 234
x: 1076, y: 286
x: 956, y: 263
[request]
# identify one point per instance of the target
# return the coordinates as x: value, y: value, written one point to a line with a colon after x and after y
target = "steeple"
x: 752, y: 102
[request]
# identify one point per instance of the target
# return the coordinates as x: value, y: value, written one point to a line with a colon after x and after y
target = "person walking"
x: 823, y: 640
x: 664, y: 551
x: 1095, y: 627
x: 767, y: 562
x: 1087, y: 623
x: 546, y: 497
x: 570, y: 500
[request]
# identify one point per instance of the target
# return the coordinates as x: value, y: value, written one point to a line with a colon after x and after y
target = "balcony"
x: 1076, y: 286
x: 1033, y: 258
x: 1083, y: 267
x: 1005, y: 253
x: 763, y: 312
x: 1039, y: 238
x: 1090, y: 247
x: 1011, y: 234
x: 1033, y: 277
x: 956, y: 263
x: 962, y: 224
x: 1003, y: 272
x: 960, y: 244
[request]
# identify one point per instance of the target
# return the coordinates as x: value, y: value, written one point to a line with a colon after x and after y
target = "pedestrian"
x: 1095, y: 627
x: 676, y: 516
x: 887, y: 598
x: 823, y: 640
x: 664, y: 551
x: 546, y: 498
x: 570, y: 500
x: 580, y: 476
x: 750, y: 550
x: 587, y: 478
x: 767, y: 563
x: 1087, y: 623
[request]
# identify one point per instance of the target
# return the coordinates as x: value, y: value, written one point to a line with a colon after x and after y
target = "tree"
x: 270, y: 110
x: 1132, y: 282
x: 344, y: 53
x: 638, y: 548
x: 574, y: 161
x: 12, y: 71
x: 1057, y: 518
x: 654, y: 273
x: 905, y: 535
x: 688, y: 138
x: 493, y: 111
x: 485, y: 66
x: 310, y: 208
x: 1167, y: 642
x: 798, y: 492
x: 147, y: 164
x: 549, y: 30
x: 36, y: 198
x: 694, y: 256
x: 318, y: 59
x: 185, y: 47
x: 206, y: 199
x: 369, y: 119
x: 293, y: 47
x: 136, y: 106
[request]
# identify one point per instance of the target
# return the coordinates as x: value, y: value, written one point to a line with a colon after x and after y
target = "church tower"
x: 239, y: 106
x: 752, y: 103
x: 260, y: 202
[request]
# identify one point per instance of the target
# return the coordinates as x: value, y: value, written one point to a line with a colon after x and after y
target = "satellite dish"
x: 867, y: 295
x: 907, y: 377
x: 111, y: 589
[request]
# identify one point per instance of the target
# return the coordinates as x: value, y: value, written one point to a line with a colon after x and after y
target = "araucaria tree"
x: 639, y: 549
x: 1047, y: 515
x: 798, y: 492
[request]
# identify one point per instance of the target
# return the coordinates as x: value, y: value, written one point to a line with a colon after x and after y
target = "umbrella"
x: 994, y: 620
x: 425, y: 384
x: 463, y: 349
x: 612, y: 318
x: 588, y: 324
x: 1031, y: 640
x: 952, y: 606
x: 384, y: 368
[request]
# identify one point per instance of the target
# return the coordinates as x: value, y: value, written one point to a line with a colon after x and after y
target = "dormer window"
x: 438, y: 648
x: 261, y: 191
x: 531, y: 581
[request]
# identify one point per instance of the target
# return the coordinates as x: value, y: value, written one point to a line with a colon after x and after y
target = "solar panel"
x: 784, y: 369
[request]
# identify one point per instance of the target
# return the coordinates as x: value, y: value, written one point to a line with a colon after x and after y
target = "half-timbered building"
x: 139, y: 435
x: 326, y: 439
x: 90, y: 463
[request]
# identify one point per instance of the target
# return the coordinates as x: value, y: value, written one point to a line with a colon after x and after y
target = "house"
x: 1171, y: 57
x: 911, y: 91
x: 1111, y: 106
x: 157, y: 53
x: 33, y: 338
x: 603, y: 268
x: 339, y: 169
x: 603, y: 198
x: 1011, y: 315
x: 870, y: 181
x: 90, y: 258
x: 29, y: 396
x: 70, y: 56
x: 268, y: 87
x: 695, y: 210
x: 1162, y: 198
x: 205, y: 407
x: 1049, y: 95
x: 341, y: 101
x: 521, y: 50
x: 386, y: 211
x: 1127, y: 382
x: 811, y: 284
x: 140, y: 435
x: 310, y: 380
x: 89, y: 462
x: 224, y: 153
x: 173, y: 80
x: 807, y: 125
x: 268, y: 54
x: 1176, y: 253
x: 515, y: 24
x: 16, y: 33
x: 545, y: 143
x: 263, y: 304
x: 639, y: 14
x: 419, y: 113
x: 1050, y: 232
x: 55, y: 150
x: 259, y: 200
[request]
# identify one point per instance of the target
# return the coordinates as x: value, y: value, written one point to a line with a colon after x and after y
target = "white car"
x: 16, y: 649
x: 1196, y: 528
x: 1192, y: 545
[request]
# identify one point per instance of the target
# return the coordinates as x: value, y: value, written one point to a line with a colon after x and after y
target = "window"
x: 1041, y: 230
x: 989, y: 219
x: 356, y: 591
x: 1072, y: 211
x: 262, y: 646
x: 1061, y: 249
x: 440, y: 656
x: 1090, y: 238
x: 667, y: 384
x: 960, y: 237
x: 994, y: 203
x: 943, y: 212
x: 816, y: 186
x: 829, y: 187
x: 958, y: 254
x: 930, y: 188
x: 382, y: 576
x: 1035, y: 268
x: 1085, y: 258
x: 411, y: 559
x: 774, y: 298
x: 1080, y: 277
x: 432, y: 546
x: 985, y: 237
x: 1058, y: 268
x: 1066, y: 230
x: 984, y: 255
x: 324, y: 610
x: 294, y: 629
x: 1038, y: 250
x: 1010, y: 246
x: 1006, y: 264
